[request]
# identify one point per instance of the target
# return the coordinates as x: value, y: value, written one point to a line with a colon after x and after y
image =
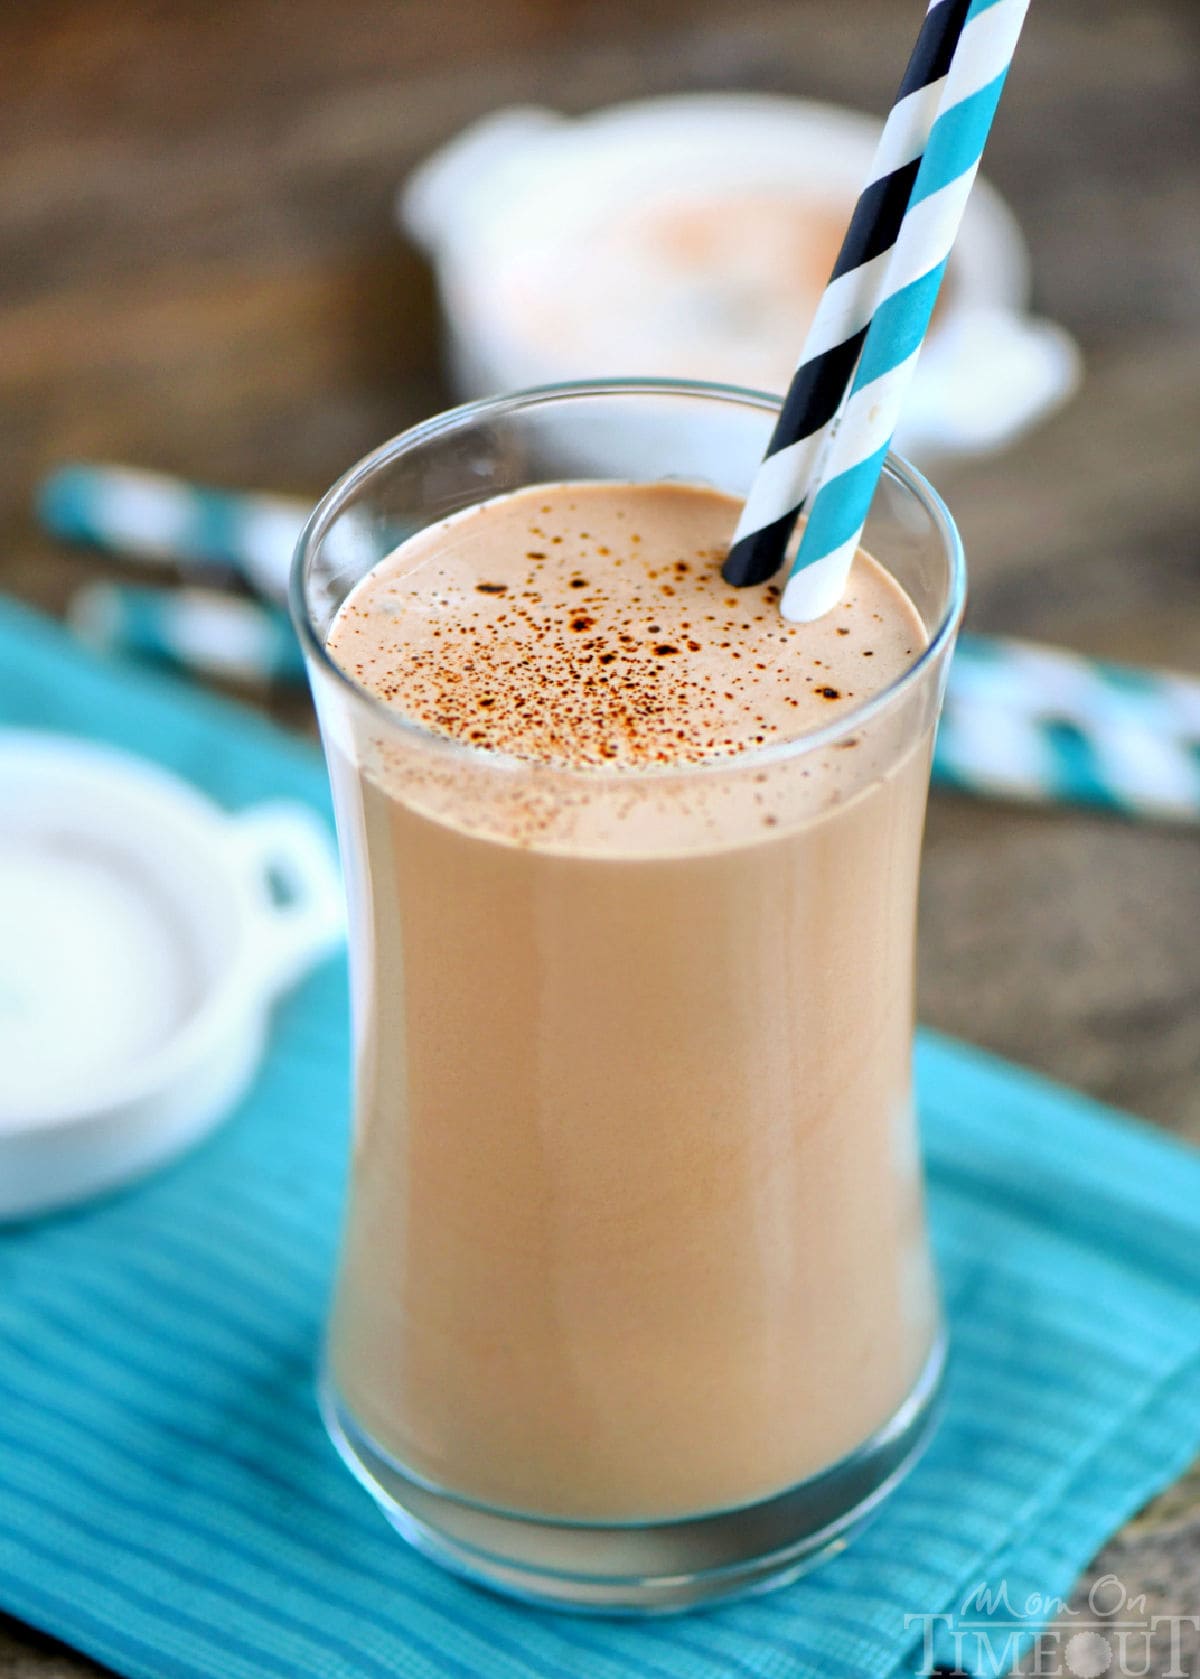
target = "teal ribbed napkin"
x: 168, y: 1501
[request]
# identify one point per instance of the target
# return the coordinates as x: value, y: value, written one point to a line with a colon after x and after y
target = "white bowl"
x: 644, y: 240
x: 144, y: 934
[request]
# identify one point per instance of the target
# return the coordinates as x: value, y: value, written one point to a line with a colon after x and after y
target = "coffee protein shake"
x: 635, y: 1225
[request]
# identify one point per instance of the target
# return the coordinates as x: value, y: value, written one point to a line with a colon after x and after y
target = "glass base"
x: 654, y: 1567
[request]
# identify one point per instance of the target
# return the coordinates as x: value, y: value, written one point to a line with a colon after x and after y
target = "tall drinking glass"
x: 635, y: 1306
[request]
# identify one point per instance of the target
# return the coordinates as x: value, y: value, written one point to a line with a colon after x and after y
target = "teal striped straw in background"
x: 150, y: 516
x: 1023, y: 722
x: 1042, y: 725
x: 204, y: 631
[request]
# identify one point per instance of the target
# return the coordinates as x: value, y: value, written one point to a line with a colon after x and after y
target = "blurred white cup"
x: 690, y: 237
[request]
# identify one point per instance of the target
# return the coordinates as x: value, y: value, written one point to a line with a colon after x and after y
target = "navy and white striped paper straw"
x: 835, y: 338
x: 198, y: 630
x: 849, y: 469
x: 150, y: 516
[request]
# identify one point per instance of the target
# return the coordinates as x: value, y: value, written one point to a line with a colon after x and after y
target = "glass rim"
x: 326, y: 510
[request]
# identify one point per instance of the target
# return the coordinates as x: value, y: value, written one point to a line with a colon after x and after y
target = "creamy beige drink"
x: 635, y: 1226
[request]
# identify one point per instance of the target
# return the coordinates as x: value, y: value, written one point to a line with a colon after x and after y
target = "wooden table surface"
x: 199, y: 274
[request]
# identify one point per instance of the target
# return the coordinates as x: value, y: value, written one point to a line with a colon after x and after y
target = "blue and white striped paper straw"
x: 147, y: 515
x: 835, y: 338
x: 198, y: 630
x: 849, y: 468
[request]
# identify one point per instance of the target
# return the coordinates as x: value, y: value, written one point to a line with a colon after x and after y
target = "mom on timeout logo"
x: 1109, y: 1636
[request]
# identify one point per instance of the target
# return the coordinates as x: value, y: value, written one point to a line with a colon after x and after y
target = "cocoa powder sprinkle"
x: 450, y: 631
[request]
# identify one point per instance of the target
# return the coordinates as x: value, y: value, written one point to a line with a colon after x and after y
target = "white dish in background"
x: 690, y: 237
x: 144, y: 935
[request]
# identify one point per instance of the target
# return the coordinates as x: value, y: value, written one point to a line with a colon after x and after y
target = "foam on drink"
x: 593, y: 629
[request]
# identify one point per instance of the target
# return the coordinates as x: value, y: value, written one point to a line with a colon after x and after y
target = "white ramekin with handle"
x: 144, y: 935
